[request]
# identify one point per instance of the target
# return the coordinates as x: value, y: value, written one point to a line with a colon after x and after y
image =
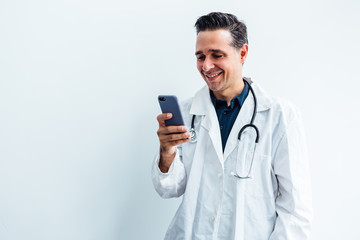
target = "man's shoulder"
x: 186, y: 104
x: 281, y: 108
x: 286, y: 111
x: 275, y: 103
x: 283, y: 105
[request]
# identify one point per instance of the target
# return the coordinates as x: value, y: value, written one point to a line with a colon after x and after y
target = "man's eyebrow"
x: 198, y: 52
x: 210, y: 50
x: 216, y: 51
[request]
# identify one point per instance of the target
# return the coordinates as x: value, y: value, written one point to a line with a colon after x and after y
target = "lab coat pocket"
x: 261, y: 183
x: 245, y: 153
x: 259, y: 191
x: 252, y: 163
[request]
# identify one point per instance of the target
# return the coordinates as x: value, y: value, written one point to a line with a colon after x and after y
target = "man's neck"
x: 229, y: 93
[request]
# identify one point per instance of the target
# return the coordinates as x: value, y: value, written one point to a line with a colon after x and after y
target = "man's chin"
x: 215, y: 87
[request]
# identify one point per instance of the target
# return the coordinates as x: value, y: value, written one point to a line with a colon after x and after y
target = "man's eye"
x: 201, y: 57
x: 217, y: 56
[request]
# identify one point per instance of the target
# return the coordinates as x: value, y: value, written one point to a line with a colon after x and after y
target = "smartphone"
x: 170, y: 104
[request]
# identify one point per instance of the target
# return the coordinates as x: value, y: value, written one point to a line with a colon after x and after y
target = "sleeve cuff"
x: 172, y: 168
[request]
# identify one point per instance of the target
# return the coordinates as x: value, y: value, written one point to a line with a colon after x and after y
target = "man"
x: 234, y: 186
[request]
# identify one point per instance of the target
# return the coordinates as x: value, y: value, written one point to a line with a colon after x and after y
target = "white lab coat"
x: 274, y: 204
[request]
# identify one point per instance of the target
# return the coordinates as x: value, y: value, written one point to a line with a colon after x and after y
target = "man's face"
x: 219, y: 63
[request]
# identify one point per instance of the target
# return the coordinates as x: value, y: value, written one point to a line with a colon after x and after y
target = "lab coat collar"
x: 264, y: 101
x: 201, y: 104
x: 203, y: 107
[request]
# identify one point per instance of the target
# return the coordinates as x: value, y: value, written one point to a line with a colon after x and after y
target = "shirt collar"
x: 238, y: 100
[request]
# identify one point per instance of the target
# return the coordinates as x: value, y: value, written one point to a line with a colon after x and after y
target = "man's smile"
x: 212, y: 76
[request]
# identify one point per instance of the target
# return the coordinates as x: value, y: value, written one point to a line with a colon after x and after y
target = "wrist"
x: 163, y: 168
x: 167, y: 152
x: 166, y: 159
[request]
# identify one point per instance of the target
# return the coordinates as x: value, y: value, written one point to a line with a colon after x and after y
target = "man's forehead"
x: 213, y: 40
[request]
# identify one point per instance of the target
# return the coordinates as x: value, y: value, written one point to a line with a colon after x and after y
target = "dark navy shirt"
x: 227, y: 114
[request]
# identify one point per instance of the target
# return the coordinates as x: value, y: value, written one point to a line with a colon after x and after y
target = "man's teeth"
x: 214, y: 75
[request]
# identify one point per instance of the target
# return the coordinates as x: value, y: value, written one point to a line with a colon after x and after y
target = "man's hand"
x: 169, y: 138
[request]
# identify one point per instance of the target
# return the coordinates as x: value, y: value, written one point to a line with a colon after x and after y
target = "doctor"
x: 233, y: 188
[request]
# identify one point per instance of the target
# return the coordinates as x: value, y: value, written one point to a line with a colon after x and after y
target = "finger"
x: 172, y: 129
x: 162, y: 117
x: 178, y: 142
x: 165, y: 138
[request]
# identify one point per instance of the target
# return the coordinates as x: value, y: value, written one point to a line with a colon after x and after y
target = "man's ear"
x: 243, y: 51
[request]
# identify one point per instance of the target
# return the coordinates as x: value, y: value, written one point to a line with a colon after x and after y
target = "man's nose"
x: 207, y: 65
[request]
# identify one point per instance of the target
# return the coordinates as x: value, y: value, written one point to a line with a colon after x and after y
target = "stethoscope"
x: 194, y: 136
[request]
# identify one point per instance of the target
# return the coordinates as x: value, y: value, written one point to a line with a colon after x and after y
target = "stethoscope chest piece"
x: 193, y: 135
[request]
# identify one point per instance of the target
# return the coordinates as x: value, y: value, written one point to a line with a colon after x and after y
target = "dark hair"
x: 219, y: 20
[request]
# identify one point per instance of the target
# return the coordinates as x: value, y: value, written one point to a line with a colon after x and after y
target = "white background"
x: 78, y: 99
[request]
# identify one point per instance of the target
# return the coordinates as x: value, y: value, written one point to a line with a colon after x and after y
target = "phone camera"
x: 162, y: 99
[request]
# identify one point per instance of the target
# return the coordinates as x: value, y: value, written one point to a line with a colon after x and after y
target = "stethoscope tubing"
x: 251, y: 124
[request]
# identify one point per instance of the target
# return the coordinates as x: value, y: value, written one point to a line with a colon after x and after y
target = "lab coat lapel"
x: 202, y: 105
x: 264, y: 102
x: 244, y: 117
